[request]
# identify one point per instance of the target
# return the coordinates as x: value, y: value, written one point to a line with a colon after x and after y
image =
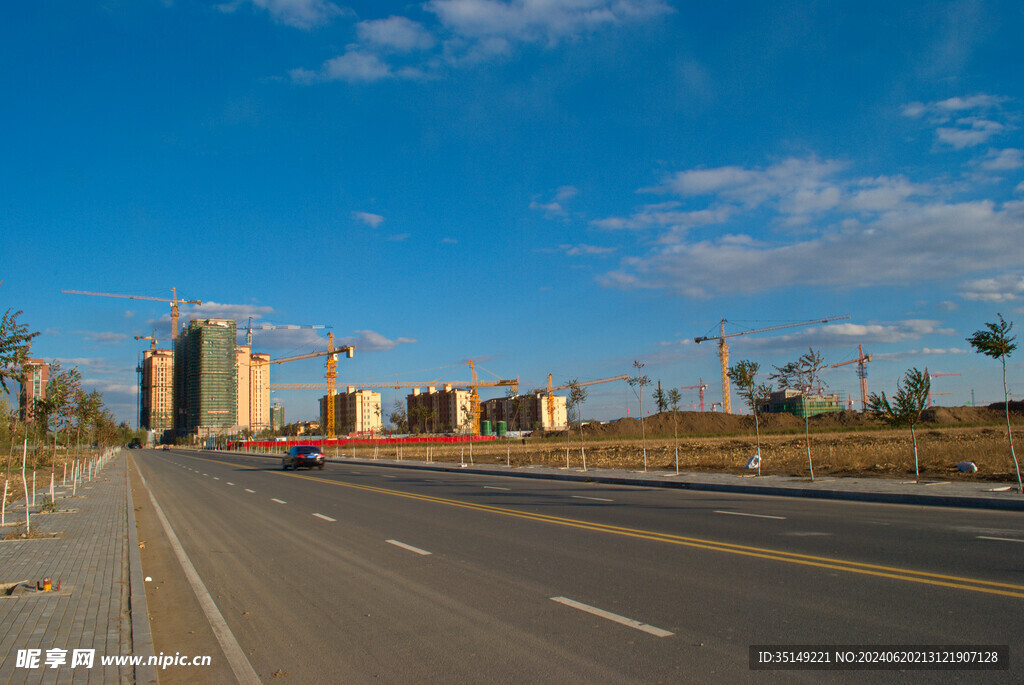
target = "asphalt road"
x: 362, y: 573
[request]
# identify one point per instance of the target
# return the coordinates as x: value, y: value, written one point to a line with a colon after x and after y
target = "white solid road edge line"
x: 759, y: 516
x: 410, y: 548
x: 657, y: 632
x: 243, y: 670
x: 325, y: 518
x: 985, y: 537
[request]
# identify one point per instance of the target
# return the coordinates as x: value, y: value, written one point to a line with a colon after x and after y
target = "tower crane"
x: 274, y: 327
x: 151, y: 338
x: 701, y: 386
x: 332, y: 371
x: 474, y: 397
x: 862, y: 373
x: 723, y: 348
x: 174, y: 301
x: 937, y: 375
x: 550, y: 391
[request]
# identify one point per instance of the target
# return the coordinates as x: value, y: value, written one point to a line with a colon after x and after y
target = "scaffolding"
x: 803, y: 404
x: 206, y: 376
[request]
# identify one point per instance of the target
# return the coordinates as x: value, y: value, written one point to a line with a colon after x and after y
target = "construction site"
x: 208, y: 388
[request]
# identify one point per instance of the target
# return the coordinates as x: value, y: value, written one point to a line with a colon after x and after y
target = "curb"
x: 142, y: 635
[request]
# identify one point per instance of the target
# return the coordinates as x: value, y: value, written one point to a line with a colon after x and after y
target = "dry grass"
x: 856, y: 453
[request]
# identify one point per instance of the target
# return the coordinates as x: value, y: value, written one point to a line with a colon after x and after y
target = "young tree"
x: 577, y: 396
x: 15, y: 344
x: 660, y: 398
x: 674, y: 397
x: 906, y: 406
x: 802, y: 375
x: 743, y: 374
x: 638, y: 382
x: 997, y: 343
x: 398, y: 417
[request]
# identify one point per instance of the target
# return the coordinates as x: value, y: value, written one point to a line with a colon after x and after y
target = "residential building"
x: 157, y: 400
x: 439, y: 411
x: 253, y: 408
x: 206, y: 378
x: 35, y: 374
x: 526, y: 412
x: 355, y: 411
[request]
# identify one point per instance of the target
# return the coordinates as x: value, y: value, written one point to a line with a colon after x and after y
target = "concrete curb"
x: 142, y: 635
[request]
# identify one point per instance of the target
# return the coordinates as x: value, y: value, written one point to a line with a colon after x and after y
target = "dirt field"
x: 843, y: 444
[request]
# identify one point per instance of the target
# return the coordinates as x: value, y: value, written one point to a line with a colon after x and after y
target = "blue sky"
x: 544, y: 186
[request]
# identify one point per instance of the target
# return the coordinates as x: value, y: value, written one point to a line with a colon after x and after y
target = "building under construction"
x: 792, y: 401
x: 526, y: 412
x: 206, y: 378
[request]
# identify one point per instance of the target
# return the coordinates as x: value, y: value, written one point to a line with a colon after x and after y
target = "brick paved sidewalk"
x: 95, y: 562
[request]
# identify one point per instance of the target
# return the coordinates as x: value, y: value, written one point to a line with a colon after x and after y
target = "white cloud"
x: 215, y: 310
x: 533, y: 20
x: 398, y: 237
x: 953, y: 105
x: 103, y: 337
x: 449, y: 241
x: 969, y: 132
x: 395, y: 33
x: 585, y: 250
x: 666, y: 215
x: 303, y: 14
x: 354, y: 67
x: 910, y: 244
x: 1003, y: 160
x: 556, y: 207
x: 371, y: 220
x: 371, y: 341
x: 996, y: 289
x: 795, y: 186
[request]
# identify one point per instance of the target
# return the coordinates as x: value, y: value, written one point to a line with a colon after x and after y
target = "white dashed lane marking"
x: 410, y: 548
x: 252, y: 491
x: 743, y: 513
x: 657, y: 632
x: 595, y: 499
x: 325, y: 518
x: 985, y: 537
x: 279, y: 501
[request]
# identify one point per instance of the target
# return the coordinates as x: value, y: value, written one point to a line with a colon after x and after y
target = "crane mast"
x: 723, y: 348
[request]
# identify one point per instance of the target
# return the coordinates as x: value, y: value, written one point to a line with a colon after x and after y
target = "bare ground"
x: 842, y: 444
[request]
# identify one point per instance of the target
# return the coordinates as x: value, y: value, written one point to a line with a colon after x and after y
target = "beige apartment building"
x: 253, y: 389
x: 526, y: 412
x: 439, y: 411
x: 157, y: 390
x: 355, y: 411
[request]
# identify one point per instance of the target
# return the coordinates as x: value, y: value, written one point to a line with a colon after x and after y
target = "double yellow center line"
x: 936, y: 579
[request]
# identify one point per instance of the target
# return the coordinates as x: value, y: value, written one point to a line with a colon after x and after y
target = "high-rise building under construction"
x: 206, y: 378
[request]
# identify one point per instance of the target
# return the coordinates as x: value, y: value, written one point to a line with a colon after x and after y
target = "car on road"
x: 135, y: 444
x: 303, y: 455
